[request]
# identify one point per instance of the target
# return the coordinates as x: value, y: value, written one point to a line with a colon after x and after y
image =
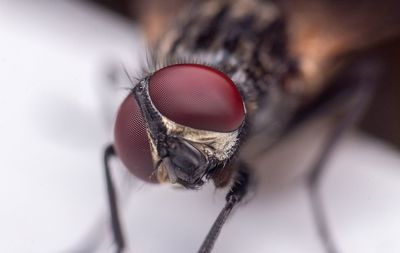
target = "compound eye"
x: 197, y: 96
x: 131, y: 140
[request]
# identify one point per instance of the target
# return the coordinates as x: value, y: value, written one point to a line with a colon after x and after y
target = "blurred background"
x: 61, y: 73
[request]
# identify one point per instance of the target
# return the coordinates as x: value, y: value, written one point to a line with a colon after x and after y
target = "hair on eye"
x: 154, y: 61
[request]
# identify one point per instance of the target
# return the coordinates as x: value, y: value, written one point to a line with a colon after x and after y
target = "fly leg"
x: 236, y: 193
x: 112, y: 201
x: 364, y: 79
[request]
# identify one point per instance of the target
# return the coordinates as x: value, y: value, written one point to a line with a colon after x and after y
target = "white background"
x: 56, y: 107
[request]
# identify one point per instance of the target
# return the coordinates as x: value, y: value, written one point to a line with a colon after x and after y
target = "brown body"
x: 325, y: 36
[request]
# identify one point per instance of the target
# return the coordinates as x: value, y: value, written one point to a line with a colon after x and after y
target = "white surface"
x: 53, y: 57
x: 52, y: 60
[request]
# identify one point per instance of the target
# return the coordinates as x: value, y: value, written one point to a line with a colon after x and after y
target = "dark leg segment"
x: 234, y: 196
x: 365, y: 78
x: 112, y: 201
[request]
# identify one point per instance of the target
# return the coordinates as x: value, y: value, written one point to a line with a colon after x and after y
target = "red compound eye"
x: 131, y: 140
x: 198, y: 97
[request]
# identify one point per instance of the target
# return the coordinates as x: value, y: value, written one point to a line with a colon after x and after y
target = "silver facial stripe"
x: 215, y: 144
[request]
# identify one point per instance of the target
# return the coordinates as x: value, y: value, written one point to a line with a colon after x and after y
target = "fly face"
x: 180, y: 125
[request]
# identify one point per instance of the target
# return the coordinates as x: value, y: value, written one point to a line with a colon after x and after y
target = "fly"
x: 224, y: 77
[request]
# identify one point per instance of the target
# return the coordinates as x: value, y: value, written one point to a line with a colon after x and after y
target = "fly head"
x: 179, y: 125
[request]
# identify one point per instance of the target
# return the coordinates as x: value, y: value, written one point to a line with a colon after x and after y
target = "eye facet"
x: 131, y: 140
x: 197, y: 96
